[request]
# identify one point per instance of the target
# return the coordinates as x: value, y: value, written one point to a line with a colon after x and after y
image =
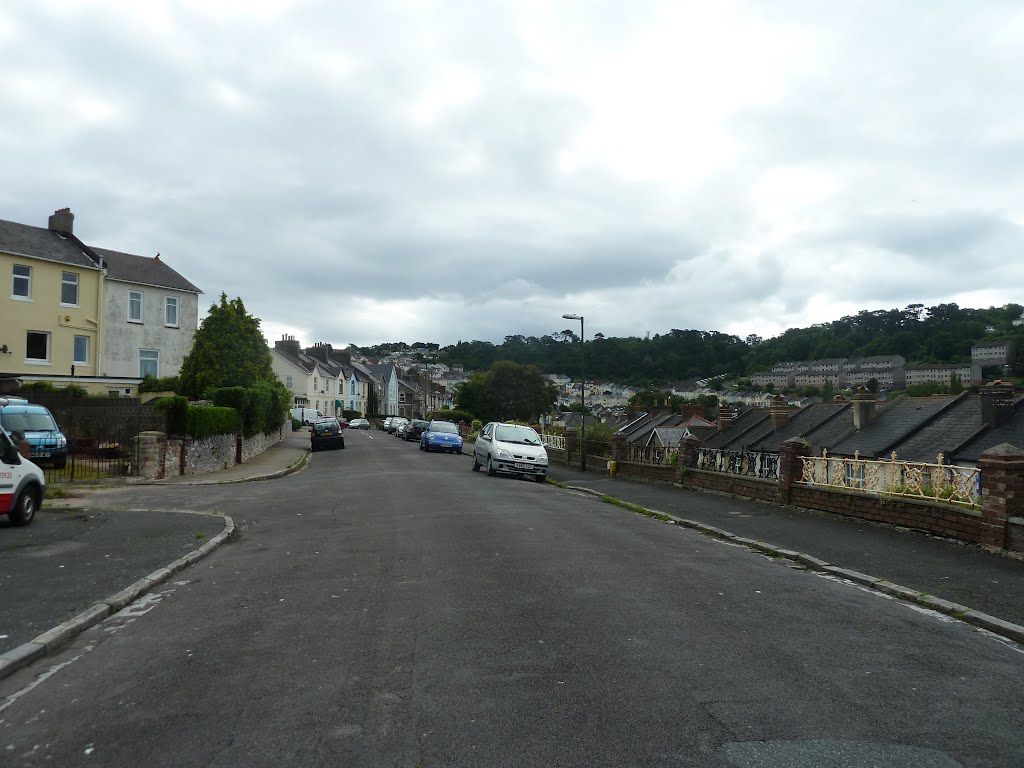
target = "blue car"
x: 441, y: 436
x: 37, y: 425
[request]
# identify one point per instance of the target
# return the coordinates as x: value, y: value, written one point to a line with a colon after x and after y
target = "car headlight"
x: 62, y: 442
x: 502, y: 453
x: 542, y: 459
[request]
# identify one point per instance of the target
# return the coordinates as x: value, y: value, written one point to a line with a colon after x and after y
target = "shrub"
x: 177, y: 412
x: 153, y: 384
x: 209, y: 420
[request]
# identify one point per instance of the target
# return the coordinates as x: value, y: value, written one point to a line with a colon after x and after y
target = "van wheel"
x: 490, y: 468
x: 24, y: 509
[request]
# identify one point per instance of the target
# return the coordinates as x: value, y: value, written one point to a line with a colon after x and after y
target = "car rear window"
x: 444, y: 426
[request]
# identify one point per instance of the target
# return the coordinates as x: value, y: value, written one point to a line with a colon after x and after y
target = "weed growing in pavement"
x: 201, y: 536
x: 636, y: 508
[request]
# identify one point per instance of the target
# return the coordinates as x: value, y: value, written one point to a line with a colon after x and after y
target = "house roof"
x: 669, y: 436
x: 735, y: 436
x: 949, y: 430
x: 800, y: 424
x: 660, y: 420
x: 145, y: 270
x: 38, y: 242
x: 304, y: 365
x: 1011, y: 432
x: 891, y: 424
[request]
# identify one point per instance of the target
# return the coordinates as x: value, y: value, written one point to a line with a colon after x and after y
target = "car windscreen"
x: 444, y: 426
x: 508, y: 433
x: 39, y: 421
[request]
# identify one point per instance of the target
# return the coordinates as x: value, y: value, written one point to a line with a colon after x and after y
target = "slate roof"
x: 891, y: 424
x: 295, y: 360
x: 39, y: 242
x: 800, y: 424
x: 1011, y: 432
x: 130, y: 268
x: 661, y: 420
x: 735, y: 436
x: 669, y: 436
x: 948, y: 431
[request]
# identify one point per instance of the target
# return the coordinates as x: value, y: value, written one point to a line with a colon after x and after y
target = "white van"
x: 22, y: 484
x: 306, y: 415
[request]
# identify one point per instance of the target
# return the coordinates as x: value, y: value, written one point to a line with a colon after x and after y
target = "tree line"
x: 938, y: 334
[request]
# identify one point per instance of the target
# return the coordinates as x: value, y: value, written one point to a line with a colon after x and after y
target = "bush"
x: 153, y: 384
x: 209, y: 420
x: 261, y: 408
x: 177, y: 412
x: 452, y: 415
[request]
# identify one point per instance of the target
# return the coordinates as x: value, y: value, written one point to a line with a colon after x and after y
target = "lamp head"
x: 572, y: 317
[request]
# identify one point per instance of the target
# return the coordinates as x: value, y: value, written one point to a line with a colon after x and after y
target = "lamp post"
x: 583, y: 396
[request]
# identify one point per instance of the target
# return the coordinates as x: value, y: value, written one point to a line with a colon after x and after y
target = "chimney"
x: 726, y: 416
x: 863, y: 408
x: 997, y: 403
x: 661, y: 408
x: 289, y: 345
x: 320, y: 351
x: 62, y: 221
x: 345, y: 356
x: 779, y: 413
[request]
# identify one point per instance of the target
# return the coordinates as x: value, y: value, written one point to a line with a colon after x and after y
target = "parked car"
x: 306, y: 415
x: 441, y: 436
x: 386, y: 425
x: 326, y: 433
x: 22, y: 484
x: 414, y: 429
x: 359, y: 424
x: 36, y: 423
x: 396, y: 424
x: 511, y: 449
x: 343, y: 422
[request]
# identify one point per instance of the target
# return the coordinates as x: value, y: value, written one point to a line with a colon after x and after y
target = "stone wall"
x: 161, y: 457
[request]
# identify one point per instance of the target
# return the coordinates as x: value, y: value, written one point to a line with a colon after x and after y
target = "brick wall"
x: 651, y: 473
x: 716, y: 482
x: 1015, y: 535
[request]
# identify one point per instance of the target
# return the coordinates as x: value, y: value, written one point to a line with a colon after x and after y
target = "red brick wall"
x: 648, y: 472
x: 1015, y: 537
x: 946, y: 521
x: 748, y: 487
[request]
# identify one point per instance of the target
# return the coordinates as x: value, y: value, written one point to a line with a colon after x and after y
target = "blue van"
x: 49, y: 446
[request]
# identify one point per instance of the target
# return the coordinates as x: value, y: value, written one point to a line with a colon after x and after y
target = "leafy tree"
x: 372, y: 401
x: 228, y: 350
x: 872, y: 384
x: 507, y: 391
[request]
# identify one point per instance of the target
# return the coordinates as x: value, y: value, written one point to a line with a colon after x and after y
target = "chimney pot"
x: 62, y: 221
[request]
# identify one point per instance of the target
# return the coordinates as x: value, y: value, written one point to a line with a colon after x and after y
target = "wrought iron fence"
x: 553, y: 441
x: 891, y: 477
x: 741, y: 463
x: 652, y: 454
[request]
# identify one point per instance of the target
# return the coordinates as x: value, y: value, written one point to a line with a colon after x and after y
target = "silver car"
x: 511, y: 449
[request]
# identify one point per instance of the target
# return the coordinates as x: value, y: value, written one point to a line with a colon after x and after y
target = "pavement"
x: 950, y: 577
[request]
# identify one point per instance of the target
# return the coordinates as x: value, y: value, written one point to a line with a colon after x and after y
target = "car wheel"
x: 539, y: 478
x: 342, y: 446
x: 24, y: 509
x: 490, y: 468
x: 476, y: 464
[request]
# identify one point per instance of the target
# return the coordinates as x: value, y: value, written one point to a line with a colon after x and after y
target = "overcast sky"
x: 451, y: 170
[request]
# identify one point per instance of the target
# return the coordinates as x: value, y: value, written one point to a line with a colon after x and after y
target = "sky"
x: 435, y: 170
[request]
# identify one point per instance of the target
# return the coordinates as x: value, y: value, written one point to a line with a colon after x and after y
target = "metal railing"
x: 891, y: 477
x: 553, y: 441
x: 740, y: 463
x: 652, y: 454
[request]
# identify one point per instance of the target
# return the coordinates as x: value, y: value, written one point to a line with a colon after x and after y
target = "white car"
x: 22, y: 484
x: 511, y: 449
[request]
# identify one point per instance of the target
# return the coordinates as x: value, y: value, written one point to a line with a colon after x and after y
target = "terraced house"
x: 90, y: 316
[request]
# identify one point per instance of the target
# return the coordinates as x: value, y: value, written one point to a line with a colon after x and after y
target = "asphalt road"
x: 386, y: 607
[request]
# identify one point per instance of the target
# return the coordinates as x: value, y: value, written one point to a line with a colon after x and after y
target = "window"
x: 68, y: 289
x: 314, y: 382
x: 149, y: 363
x: 37, y: 347
x: 134, y: 306
x: 171, y: 311
x: 288, y: 381
x: 81, y: 350
x: 21, y: 283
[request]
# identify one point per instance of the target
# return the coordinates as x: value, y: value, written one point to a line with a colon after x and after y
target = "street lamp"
x: 583, y: 396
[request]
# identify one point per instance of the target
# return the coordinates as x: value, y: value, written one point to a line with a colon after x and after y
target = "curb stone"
x: 962, y: 613
x: 53, y: 638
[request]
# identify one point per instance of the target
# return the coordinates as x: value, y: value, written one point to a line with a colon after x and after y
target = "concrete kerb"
x: 296, y: 467
x: 961, y: 612
x: 49, y: 641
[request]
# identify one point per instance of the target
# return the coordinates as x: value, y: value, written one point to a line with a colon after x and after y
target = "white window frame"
x: 49, y: 349
x: 171, y: 301
x: 288, y: 382
x: 16, y: 278
x: 85, y: 357
x: 154, y: 357
x: 141, y: 298
x: 68, y: 279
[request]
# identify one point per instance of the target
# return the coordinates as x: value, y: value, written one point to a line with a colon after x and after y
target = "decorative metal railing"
x: 652, y: 454
x: 741, y: 463
x: 553, y: 441
x: 892, y: 477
